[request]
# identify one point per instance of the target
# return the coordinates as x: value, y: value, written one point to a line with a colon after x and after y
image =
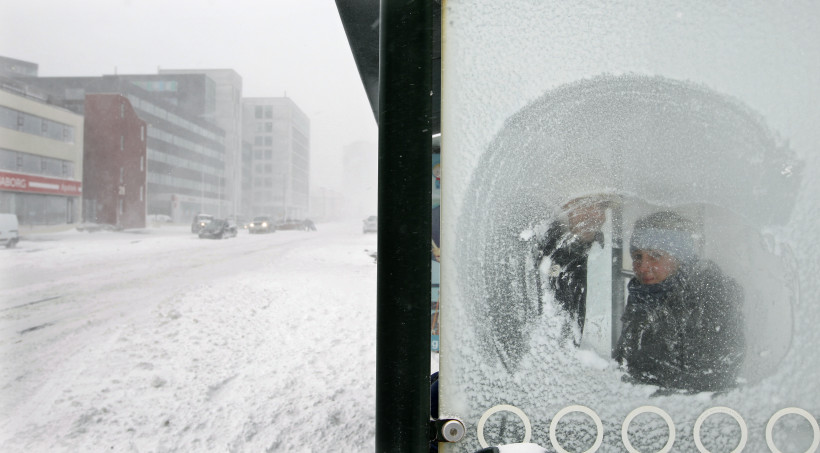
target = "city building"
x: 246, y: 189
x: 186, y: 169
x: 10, y: 67
x: 226, y: 92
x: 280, y: 136
x: 114, y: 190
x: 41, y: 158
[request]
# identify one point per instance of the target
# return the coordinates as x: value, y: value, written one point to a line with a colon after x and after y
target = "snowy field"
x: 157, y: 341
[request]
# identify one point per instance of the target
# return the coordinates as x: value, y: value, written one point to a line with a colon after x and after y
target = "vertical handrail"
x: 404, y: 224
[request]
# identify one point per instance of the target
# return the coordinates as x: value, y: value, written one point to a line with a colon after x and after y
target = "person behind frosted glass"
x: 682, y: 325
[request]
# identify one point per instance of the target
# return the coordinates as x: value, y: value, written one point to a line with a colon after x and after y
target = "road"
x: 156, y: 340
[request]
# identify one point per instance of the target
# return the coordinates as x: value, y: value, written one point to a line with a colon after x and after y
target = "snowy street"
x: 156, y: 340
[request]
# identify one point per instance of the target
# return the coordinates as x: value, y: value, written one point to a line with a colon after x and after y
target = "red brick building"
x: 114, y: 162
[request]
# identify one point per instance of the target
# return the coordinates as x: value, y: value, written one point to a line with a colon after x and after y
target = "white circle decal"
x: 744, y: 434
x: 796, y: 411
x: 554, y: 425
x: 507, y: 408
x: 651, y: 410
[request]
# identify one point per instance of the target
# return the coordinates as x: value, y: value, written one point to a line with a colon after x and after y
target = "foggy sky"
x: 292, y: 47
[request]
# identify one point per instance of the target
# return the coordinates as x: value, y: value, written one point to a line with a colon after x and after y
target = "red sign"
x: 19, y: 182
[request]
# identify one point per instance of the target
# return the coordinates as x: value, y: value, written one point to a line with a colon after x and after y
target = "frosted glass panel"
x: 630, y: 216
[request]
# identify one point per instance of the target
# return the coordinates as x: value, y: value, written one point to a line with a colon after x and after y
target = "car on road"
x: 200, y: 220
x: 9, y: 226
x: 218, y: 229
x: 261, y: 224
x: 370, y: 224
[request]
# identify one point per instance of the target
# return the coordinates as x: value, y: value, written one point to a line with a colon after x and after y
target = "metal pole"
x: 404, y: 224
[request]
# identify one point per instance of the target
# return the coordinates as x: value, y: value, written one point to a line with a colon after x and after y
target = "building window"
x: 257, y: 141
x: 142, y: 163
x: 122, y: 110
x: 268, y: 141
x: 269, y: 154
x: 122, y: 175
x: 122, y: 143
x: 268, y: 111
x: 258, y: 111
x: 142, y: 191
x: 142, y: 133
x: 35, y: 125
x: 268, y: 127
x: 19, y: 162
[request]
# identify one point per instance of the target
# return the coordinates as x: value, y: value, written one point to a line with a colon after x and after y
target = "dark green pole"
x: 403, y: 280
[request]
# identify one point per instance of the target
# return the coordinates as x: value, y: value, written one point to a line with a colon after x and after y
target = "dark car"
x: 218, y: 229
x: 200, y: 220
x: 261, y: 224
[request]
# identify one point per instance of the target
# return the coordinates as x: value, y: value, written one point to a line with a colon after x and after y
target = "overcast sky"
x: 293, y: 47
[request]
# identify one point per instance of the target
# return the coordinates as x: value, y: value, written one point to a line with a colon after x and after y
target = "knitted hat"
x: 665, y: 231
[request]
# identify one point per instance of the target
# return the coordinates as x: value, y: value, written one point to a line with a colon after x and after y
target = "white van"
x: 8, y: 230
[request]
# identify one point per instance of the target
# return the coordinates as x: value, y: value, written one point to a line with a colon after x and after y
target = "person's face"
x: 652, y: 266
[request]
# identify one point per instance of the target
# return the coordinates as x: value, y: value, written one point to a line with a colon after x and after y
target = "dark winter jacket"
x: 567, y: 272
x: 685, y: 332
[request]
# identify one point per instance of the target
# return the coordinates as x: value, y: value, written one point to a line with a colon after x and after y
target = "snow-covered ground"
x: 157, y: 341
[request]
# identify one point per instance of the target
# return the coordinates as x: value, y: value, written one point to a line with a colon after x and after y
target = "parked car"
x: 9, y: 234
x: 261, y: 224
x: 218, y: 229
x: 370, y: 224
x: 200, y: 220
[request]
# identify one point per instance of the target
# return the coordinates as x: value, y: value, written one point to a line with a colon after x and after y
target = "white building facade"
x: 41, y: 161
x: 279, y: 133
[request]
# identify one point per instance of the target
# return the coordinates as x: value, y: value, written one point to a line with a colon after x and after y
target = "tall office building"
x: 185, y: 152
x: 279, y: 133
x: 227, y: 114
x: 246, y: 186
